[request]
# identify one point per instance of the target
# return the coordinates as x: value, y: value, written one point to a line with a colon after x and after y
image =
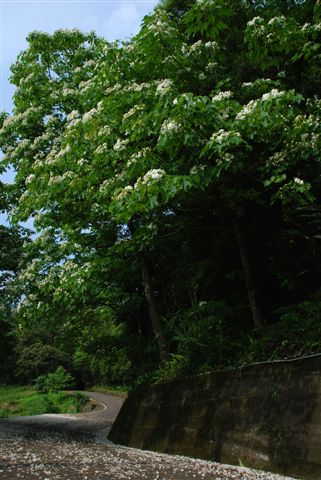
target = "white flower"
x: 54, y: 180
x: 82, y: 162
x: 223, y: 135
x: 228, y: 157
x: 247, y: 110
x: 277, y: 20
x: 120, y: 145
x: 211, y: 45
x: 169, y: 126
x: 222, y: 96
x: 196, y: 46
x: 202, y: 76
x: 255, y: 21
x: 89, y: 115
x: 101, y: 149
x: 210, y: 67
x: 67, y: 91
x: 274, y: 93
x: 298, y: 181
x: 106, y: 130
x: 196, y: 169
x: 124, y: 192
x: 153, y: 175
x: 138, y: 156
x: 30, y: 178
x: 133, y: 110
x: 164, y: 85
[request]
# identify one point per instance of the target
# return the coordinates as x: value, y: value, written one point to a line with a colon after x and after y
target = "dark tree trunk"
x: 152, y: 307
x: 252, y: 290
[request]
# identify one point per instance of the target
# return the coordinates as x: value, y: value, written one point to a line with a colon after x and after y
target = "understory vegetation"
x: 17, y: 401
x: 174, y: 185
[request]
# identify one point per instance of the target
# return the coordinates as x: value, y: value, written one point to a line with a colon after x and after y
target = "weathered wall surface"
x: 266, y: 415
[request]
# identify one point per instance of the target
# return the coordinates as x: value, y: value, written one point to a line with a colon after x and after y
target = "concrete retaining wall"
x: 267, y: 416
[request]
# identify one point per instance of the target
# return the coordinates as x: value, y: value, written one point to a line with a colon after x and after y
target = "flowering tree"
x: 215, y: 103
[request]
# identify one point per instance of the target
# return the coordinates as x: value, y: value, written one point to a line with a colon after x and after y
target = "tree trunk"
x: 152, y: 308
x: 251, y: 287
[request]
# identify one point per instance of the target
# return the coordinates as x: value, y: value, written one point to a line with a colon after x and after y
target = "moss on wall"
x: 266, y: 415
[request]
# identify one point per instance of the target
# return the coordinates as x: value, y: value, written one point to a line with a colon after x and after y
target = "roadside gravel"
x: 74, y: 447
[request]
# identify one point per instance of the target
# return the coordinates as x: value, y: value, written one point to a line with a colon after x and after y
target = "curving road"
x: 75, y: 447
x: 89, y: 427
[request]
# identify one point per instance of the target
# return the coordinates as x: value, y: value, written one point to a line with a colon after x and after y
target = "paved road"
x: 74, y: 447
x: 91, y: 426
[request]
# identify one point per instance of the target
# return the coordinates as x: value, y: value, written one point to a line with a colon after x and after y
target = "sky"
x: 112, y: 19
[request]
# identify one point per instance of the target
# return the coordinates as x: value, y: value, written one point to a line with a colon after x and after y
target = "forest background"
x: 173, y: 181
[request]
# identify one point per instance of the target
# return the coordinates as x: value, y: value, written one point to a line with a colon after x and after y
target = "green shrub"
x: 53, y: 382
x: 36, y: 405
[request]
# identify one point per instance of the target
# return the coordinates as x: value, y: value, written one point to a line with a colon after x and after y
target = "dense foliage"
x: 174, y: 182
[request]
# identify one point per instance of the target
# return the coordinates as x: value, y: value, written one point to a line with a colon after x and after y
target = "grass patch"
x: 16, y: 401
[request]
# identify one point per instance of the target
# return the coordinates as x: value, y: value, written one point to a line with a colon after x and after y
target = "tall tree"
x: 210, y: 112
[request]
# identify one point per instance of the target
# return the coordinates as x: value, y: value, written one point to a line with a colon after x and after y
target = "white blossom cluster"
x: 81, y: 162
x: 188, y: 100
x: 104, y: 186
x: 68, y: 91
x: 274, y: 93
x: 224, y: 136
x: 277, y: 21
x: 227, y: 158
x: 153, y: 175
x: 204, y: 3
x: 164, y: 86
x: 137, y: 87
x: 247, y: 109
x: 298, y: 181
x: 255, y: 22
x: 21, y: 118
x: 104, y: 131
x: 73, y: 115
x: 28, y: 78
x: 73, y: 119
x: 310, y: 140
x: 53, y: 180
x: 124, y: 192
x: 64, y: 151
x: 120, y: 145
x: 138, y: 156
x: 133, y: 111
x: 37, y: 141
x: 169, y: 126
x: 85, y: 86
x: 276, y: 159
x: 219, y: 97
x: 103, y: 148
x: 161, y: 27
x: 30, y: 179
x: 89, y: 115
x: 250, y: 107
x: 197, y: 169
x: 211, y: 67
x: 89, y: 64
x: 195, y: 46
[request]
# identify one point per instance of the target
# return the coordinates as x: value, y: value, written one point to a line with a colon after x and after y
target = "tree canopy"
x: 173, y: 180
